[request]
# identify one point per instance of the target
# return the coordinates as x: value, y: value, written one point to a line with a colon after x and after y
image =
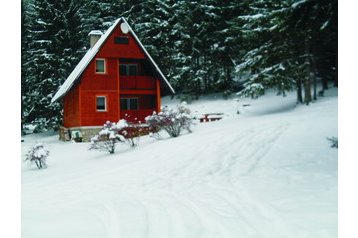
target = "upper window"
x: 128, y: 69
x: 100, y: 66
x: 122, y: 40
x: 101, y: 103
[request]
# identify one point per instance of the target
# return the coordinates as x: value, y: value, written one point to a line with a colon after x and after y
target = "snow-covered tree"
x: 286, y: 42
x: 56, y: 46
x: 206, y: 47
x: 192, y: 32
x: 25, y: 40
x: 100, y: 14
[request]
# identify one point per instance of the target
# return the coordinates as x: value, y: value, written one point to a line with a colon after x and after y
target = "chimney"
x: 94, y: 37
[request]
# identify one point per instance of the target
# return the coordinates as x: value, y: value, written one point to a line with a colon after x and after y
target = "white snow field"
x: 266, y: 172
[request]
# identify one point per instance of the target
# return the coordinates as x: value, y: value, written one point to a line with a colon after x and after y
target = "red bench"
x: 211, y: 117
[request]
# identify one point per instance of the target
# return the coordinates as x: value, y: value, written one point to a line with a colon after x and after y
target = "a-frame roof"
x: 91, y: 53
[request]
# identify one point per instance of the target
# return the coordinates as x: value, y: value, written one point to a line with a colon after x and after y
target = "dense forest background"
x: 202, y: 47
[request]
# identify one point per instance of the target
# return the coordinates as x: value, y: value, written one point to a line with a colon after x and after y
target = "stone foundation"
x: 78, y: 134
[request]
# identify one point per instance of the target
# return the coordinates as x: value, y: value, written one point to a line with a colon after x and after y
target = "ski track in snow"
x: 205, y: 193
x: 241, y: 160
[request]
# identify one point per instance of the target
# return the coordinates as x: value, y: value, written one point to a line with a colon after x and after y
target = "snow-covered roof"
x: 81, y: 66
x: 95, y: 32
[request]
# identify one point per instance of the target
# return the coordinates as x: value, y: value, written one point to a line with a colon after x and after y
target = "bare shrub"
x: 38, y: 155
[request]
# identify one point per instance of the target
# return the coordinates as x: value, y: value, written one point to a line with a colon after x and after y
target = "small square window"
x: 100, y: 66
x: 122, y: 40
x: 101, y: 103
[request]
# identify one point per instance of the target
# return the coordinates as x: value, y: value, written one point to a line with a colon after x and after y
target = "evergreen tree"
x: 226, y: 41
x: 285, y: 48
x: 55, y: 48
x: 25, y: 39
x: 206, y: 46
x: 194, y: 29
x: 100, y: 14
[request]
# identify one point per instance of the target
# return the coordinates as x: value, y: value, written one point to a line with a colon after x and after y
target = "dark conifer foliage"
x: 201, y: 46
x: 54, y: 45
x: 295, y: 44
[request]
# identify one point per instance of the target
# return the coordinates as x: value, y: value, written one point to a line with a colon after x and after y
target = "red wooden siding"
x: 112, y: 50
x: 90, y: 116
x: 107, y: 81
x: 137, y: 116
x: 80, y: 102
x: 71, y: 108
x: 137, y: 82
x: 158, y: 95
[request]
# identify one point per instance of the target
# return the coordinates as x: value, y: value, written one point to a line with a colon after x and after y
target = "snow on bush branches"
x: 171, y: 120
x: 38, y: 155
x: 108, y: 137
x: 113, y: 133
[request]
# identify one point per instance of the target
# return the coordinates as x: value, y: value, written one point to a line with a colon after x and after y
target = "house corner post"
x: 158, y: 95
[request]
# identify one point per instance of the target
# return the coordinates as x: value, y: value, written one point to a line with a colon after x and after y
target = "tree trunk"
x: 206, y: 84
x: 307, y: 87
x: 336, y: 73
x: 38, y: 164
x: 336, y: 80
x: 299, y: 91
x: 313, y: 77
x: 307, y: 81
x: 324, y: 83
x: 228, y: 76
x: 314, y: 87
x: 112, y: 146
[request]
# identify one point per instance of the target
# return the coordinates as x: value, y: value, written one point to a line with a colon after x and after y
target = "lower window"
x: 129, y: 103
x: 101, y: 103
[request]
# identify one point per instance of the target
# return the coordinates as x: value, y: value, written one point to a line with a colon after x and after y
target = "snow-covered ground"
x: 268, y: 171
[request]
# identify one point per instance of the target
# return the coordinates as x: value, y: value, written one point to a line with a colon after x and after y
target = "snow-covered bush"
x: 108, y: 138
x: 132, y: 130
x: 38, y: 155
x: 171, y: 120
x: 113, y: 133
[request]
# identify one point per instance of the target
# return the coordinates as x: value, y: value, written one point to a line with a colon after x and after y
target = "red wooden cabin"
x: 115, y: 78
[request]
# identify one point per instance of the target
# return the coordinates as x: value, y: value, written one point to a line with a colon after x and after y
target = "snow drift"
x: 268, y: 171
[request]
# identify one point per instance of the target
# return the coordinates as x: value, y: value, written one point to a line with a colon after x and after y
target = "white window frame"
x: 105, y: 103
x: 104, y: 66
